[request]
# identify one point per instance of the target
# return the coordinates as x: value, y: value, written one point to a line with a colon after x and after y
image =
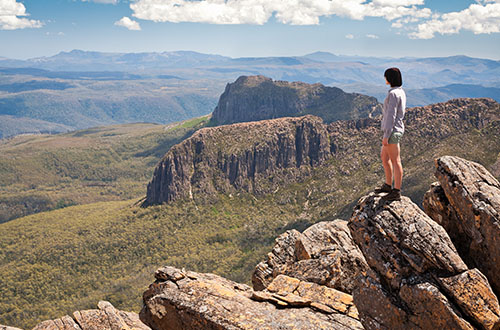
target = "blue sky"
x: 237, y: 28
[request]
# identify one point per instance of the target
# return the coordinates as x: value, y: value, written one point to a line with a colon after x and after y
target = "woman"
x: 393, y: 128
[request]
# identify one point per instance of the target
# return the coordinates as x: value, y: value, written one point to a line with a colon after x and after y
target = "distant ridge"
x: 162, y: 87
x: 258, y: 97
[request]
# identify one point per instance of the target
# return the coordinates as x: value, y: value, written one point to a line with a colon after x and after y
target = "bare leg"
x: 393, y: 152
x: 386, y: 162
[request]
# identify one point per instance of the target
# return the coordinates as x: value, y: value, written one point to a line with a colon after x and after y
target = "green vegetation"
x: 66, y: 259
x: 43, y: 172
x: 56, y: 262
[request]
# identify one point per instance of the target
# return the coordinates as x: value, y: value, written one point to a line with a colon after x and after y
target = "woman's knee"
x: 385, y: 158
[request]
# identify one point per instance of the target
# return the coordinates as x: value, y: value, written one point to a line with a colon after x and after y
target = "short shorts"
x: 395, y: 137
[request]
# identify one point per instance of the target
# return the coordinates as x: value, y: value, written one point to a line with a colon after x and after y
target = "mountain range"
x: 112, y: 88
x: 322, y: 67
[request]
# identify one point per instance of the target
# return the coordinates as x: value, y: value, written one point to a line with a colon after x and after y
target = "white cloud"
x: 409, y: 15
x: 129, y: 24
x: 10, y: 10
x: 397, y: 3
x: 372, y: 36
x: 349, y: 36
x: 482, y: 17
x: 295, y: 12
x: 112, y: 2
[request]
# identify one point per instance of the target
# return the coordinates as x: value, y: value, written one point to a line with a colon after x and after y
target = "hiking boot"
x: 384, y: 189
x: 394, y: 195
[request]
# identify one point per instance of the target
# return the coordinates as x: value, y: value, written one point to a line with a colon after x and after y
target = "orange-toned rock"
x: 324, y: 254
x: 106, y: 317
x: 303, y: 293
x: 470, y: 290
x: 417, y: 279
x: 184, y: 300
x: 63, y: 323
x: 4, y: 327
x: 466, y: 202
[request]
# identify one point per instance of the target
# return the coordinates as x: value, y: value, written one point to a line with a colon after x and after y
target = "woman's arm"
x: 390, y: 115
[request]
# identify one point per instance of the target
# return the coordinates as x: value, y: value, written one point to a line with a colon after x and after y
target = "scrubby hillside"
x: 43, y: 172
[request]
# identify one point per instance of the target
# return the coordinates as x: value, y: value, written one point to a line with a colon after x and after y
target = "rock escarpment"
x: 240, y: 157
x: 252, y: 98
x: 106, y: 317
x: 466, y: 202
x: 185, y: 300
x: 260, y: 157
x: 417, y: 278
x: 324, y: 254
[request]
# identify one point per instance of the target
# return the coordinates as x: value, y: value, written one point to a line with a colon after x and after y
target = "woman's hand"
x: 385, y: 142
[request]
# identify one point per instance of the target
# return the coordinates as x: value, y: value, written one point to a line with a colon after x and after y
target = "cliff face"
x: 252, y: 98
x: 260, y: 157
x: 240, y: 157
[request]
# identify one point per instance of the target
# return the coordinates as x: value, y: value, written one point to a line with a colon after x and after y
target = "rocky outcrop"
x: 106, y: 317
x: 401, y: 266
x: 240, y: 157
x: 252, y: 98
x: 324, y: 254
x: 466, y: 202
x: 458, y: 115
x: 185, y: 300
x: 417, y: 279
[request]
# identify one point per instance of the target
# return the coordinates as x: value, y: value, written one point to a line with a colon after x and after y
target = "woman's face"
x: 386, y: 82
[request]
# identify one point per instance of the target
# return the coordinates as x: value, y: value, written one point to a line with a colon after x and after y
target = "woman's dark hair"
x: 393, y: 76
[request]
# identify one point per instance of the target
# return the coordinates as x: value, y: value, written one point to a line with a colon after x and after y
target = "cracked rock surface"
x: 106, y: 317
x: 185, y: 300
x: 324, y: 254
x: 417, y: 279
x: 466, y: 202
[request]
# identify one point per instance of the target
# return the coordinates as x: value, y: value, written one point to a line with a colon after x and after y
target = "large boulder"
x: 466, y: 202
x: 324, y: 254
x: 416, y: 279
x: 106, y: 317
x: 186, y: 300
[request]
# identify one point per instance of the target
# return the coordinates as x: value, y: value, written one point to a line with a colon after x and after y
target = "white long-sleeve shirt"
x: 394, y: 111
